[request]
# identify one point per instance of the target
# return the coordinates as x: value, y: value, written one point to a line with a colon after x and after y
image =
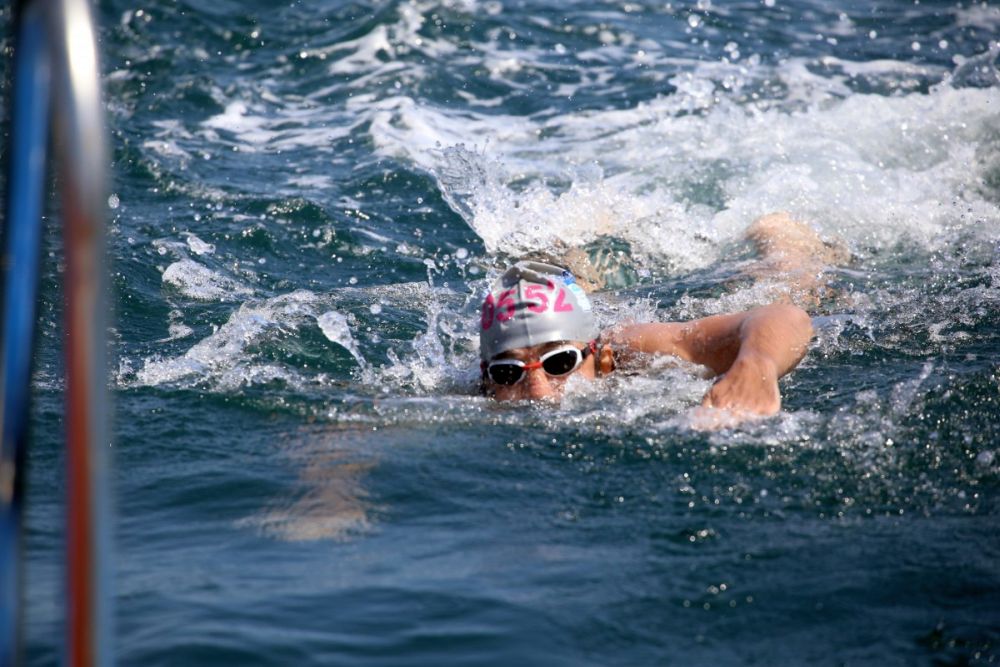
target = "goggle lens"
x: 562, y: 362
x: 506, y: 373
x: 556, y: 363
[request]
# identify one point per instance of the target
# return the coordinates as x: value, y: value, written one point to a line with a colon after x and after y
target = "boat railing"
x: 55, y: 98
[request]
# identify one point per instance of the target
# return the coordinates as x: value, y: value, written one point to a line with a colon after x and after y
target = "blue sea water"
x: 308, y: 200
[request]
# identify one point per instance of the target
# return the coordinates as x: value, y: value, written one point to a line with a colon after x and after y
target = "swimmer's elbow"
x: 794, y: 318
x: 800, y: 320
x: 801, y: 328
x: 784, y: 325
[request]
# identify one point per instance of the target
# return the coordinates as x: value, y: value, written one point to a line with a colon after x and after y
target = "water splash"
x: 222, y: 358
x: 197, y: 281
x: 335, y: 327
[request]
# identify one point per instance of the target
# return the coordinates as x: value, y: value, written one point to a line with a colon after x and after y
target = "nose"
x: 539, y: 386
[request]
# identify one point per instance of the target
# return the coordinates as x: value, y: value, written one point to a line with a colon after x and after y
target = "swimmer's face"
x: 535, y: 382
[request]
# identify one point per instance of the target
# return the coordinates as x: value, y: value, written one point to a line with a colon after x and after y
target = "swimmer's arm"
x: 632, y: 342
x: 749, y: 350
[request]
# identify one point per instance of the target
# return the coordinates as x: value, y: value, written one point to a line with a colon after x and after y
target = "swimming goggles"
x: 556, y: 363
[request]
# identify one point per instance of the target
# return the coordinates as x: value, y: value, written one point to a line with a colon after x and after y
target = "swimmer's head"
x: 532, y: 304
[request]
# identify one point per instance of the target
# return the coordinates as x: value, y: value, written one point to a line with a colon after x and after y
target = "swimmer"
x: 537, y: 329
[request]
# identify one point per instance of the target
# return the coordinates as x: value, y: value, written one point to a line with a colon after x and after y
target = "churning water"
x: 308, y: 201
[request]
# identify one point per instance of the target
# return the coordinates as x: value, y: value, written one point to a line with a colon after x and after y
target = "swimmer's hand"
x: 747, y: 391
x: 750, y: 386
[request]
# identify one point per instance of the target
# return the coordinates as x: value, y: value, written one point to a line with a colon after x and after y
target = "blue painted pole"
x: 26, y: 183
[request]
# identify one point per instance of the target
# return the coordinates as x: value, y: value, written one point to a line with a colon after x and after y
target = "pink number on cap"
x: 506, y: 305
x: 540, y: 301
x: 562, y: 306
x: 486, y: 317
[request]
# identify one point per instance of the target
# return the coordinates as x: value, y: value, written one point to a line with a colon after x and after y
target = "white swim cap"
x: 534, y: 303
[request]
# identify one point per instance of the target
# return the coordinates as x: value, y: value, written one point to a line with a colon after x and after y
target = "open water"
x: 308, y: 200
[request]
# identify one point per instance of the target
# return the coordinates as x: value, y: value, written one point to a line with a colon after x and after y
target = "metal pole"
x: 81, y: 154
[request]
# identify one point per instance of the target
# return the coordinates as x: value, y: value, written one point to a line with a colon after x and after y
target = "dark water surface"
x: 308, y: 199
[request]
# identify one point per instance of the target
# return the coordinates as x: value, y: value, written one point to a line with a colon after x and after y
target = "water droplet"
x: 352, y: 280
x: 375, y: 309
x: 113, y: 201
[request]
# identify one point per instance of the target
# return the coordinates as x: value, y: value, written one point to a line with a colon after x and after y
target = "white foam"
x: 870, y: 168
x: 166, y: 148
x: 401, y: 127
x: 981, y: 16
x: 430, y: 363
x: 197, y: 281
x: 220, y: 358
x: 169, y: 135
x: 178, y: 330
x: 255, y: 127
x: 539, y: 218
x: 230, y: 357
x: 680, y: 174
x: 198, y: 246
x: 364, y: 52
x: 311, y: 182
